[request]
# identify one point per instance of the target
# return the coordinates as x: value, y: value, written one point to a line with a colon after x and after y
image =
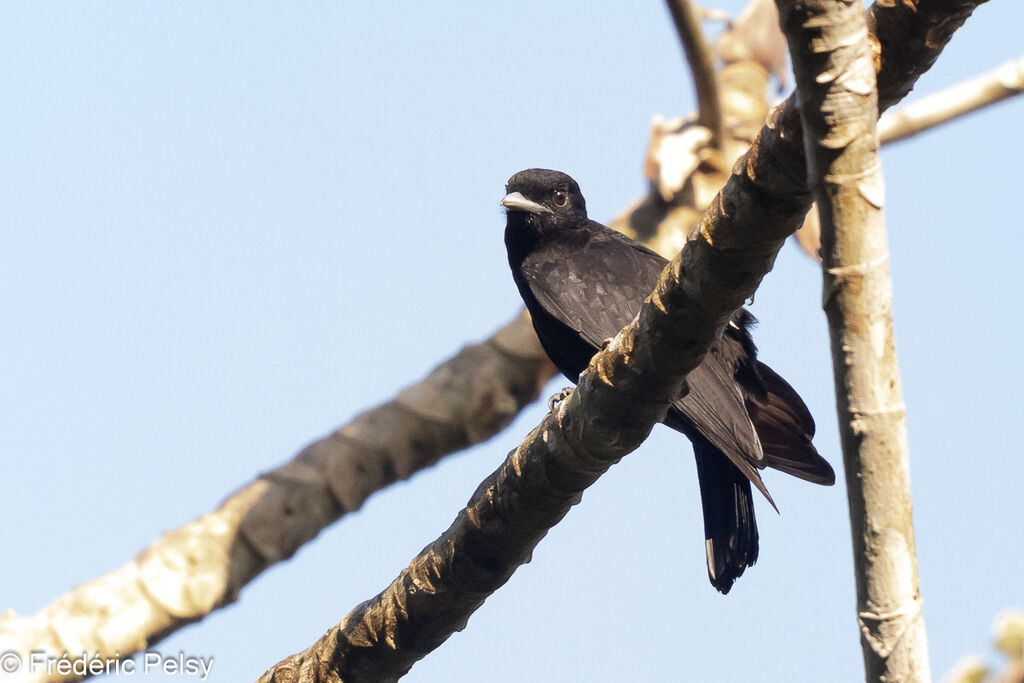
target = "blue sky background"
x: 228, y: 228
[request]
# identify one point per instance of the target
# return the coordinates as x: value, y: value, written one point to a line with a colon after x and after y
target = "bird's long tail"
x: 730, y: 529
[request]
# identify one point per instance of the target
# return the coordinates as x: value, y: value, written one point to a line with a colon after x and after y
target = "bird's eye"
x: 561, y: 198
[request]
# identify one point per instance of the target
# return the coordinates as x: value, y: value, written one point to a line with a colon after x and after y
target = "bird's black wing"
x: 785, y: 428
x: 594, y: 284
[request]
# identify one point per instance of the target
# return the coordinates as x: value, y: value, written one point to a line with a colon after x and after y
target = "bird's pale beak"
x: 515, y: 201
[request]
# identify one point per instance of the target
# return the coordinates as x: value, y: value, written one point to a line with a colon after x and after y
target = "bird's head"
x: 543, y: 200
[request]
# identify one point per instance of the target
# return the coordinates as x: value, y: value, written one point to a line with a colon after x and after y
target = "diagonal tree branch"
x: 625, y: 390
x: 203, y: 565
x: 838, y: 106
x: 948, y: 104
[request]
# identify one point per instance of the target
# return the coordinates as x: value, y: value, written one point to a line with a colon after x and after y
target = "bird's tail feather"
x: 785, y: 428
x: 730, y: 529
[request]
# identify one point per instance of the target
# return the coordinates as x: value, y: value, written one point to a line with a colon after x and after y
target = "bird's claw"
x: 558, y: 398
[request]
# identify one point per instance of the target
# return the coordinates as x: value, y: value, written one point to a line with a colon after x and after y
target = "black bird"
x: 583, y: 282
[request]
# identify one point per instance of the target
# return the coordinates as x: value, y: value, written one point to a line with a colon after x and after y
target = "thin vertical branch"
x: 838, y: 98
x: 702, y: 64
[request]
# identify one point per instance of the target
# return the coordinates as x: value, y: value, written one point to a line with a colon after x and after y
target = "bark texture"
x: 929, y: 112
x: 202, y: 566
x: 832, y: 61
